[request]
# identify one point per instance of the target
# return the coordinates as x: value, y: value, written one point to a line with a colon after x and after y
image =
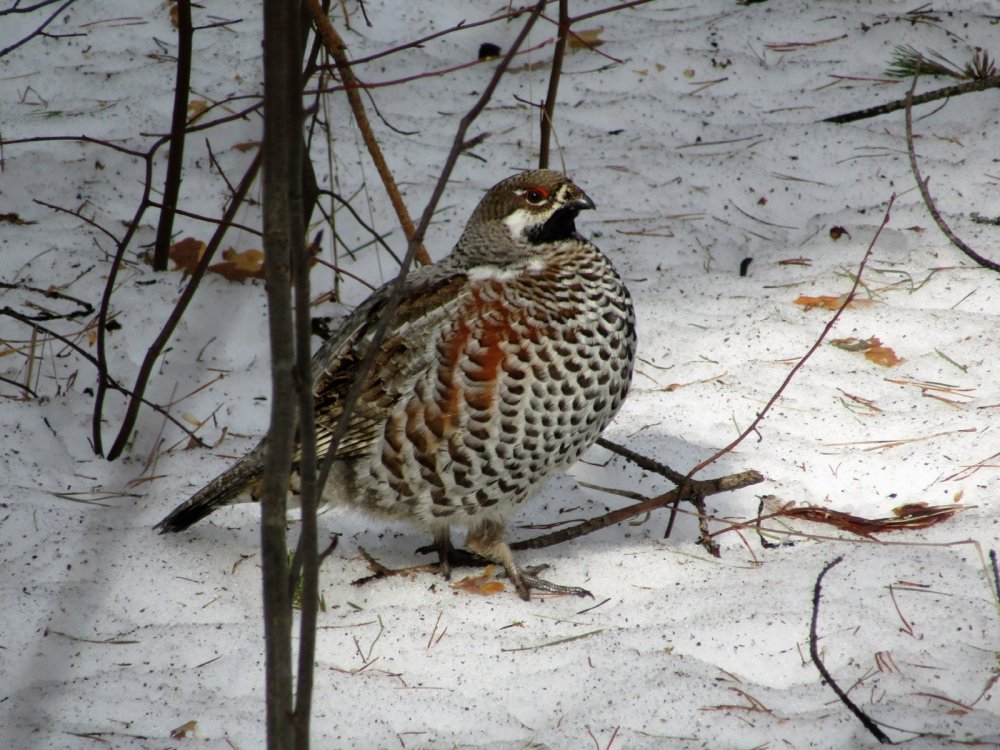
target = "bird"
x: 502, y: 364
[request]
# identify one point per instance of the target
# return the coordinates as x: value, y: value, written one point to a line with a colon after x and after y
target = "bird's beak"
x: 582, y: 202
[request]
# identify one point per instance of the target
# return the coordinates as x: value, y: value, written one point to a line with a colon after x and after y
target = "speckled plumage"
x: 503, y: 363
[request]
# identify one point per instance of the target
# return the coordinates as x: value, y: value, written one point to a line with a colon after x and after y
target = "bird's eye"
x: 536, y: 195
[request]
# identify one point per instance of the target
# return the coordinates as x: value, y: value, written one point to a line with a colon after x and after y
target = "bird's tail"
x: 235, y: 485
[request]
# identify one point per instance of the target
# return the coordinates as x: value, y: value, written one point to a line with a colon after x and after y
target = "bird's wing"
x: 431, y: 298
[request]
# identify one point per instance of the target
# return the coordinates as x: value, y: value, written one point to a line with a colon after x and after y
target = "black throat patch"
x: 560, y: 226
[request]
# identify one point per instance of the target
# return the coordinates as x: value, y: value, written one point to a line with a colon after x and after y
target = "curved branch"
x: 926, y: 193
x: 814, y: 653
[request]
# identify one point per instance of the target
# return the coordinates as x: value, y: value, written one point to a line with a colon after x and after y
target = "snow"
x: 115, y: 634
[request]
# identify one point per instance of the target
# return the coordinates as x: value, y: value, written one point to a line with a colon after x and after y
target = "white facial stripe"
x: 518, y: 222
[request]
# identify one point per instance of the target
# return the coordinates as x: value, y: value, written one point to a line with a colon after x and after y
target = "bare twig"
x: 40, y: 31
x: 702, y: 488
x: 548, y: 110
x: 338, y: 50
x: 175, y: 154
x: 460, y: 26
x: 816, y: 344
x: 925, y: 192
x: 814, y: 653
x: 643, y: 462
x: 153, y: 353
x: 930, y: 96
x: 111, y: 382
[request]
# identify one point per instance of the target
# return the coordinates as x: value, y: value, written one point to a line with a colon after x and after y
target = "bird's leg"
x: 445, y: 549
x: 487, y: 539
x: 450, y: 556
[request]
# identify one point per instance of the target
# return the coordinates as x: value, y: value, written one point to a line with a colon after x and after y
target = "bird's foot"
x: 526, y: 579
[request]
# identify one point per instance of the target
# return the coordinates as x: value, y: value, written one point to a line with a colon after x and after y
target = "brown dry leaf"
x: 182, y: 731
x: 830, y: 303
x: 239, y: 266
x: 196, y: 108
x: 882, y: 355
x: 247, y: 146
x: 823, y: 301
x: 851, y: 344
x: 872, y: 348
x: 910, y: 516
x: 482, y: 584
x: 186, y: 254
x: 586, y: 38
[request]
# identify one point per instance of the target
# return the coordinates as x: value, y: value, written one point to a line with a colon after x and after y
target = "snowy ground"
x: 114, y: 636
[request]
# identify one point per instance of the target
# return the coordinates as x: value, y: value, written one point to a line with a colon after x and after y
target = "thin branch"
x: 79, y: 138
x: 605, y: 11
x: 436, y: 73
x: 358, y: 218
x: 40, y: 31
x: 548, y: 111
x: 814, y: 653
x: 926, y: 193
x: 338, y: 50
x: 153, y: 353
x: 702, y: 487
x: 112, y: 383
x: 21, y: 386
x: 460, y: 26
x: 175, y: 152
x: 805, y: 358
x: 962, y: 88
x: 643, y: 462
x: 102, y: 316
x: 255, y: 231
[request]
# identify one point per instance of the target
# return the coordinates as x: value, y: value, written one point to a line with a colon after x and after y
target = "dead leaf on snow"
x: 240, y: 265
x: 196, y: 108
x: 186, y: 254
x: 872, y: 348
x: 586, y: 38
x: 182, y: 731
x: 482, y: 584
x: 830, y: 303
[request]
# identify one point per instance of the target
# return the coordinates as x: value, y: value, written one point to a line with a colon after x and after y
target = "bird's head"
x: 529, y: 209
